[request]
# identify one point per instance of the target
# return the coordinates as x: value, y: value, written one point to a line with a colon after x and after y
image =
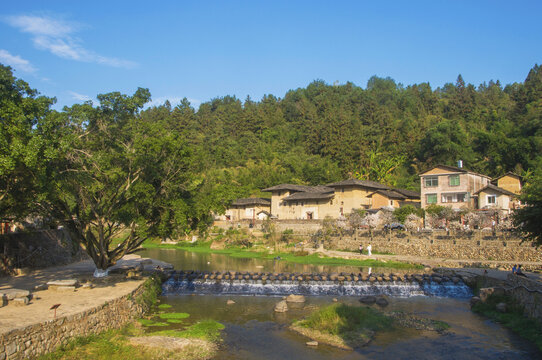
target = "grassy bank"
x: 294, y: 257
x: 512, y: 319
x: 132, y: 342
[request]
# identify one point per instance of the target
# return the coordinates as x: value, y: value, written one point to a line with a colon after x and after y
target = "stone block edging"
x: 37, y: 339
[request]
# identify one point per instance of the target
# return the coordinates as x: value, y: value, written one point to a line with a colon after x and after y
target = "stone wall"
x: 528, y: 293
x: 299, y: 227
x: 482, y: 246
x: 34, y: 340
x: 37, y: 250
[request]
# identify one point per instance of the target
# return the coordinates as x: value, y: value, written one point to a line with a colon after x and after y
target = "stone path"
x: 71, y: 302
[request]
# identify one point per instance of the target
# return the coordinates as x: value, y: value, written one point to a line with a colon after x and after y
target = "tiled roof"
x: 309, y: 196
x: 361, y: 183
x: 497, y: 189
x: 298, y: 188
x: 408, y: 193
x: 391, y: 194
x: 251, y: 201
x: 454, y: 169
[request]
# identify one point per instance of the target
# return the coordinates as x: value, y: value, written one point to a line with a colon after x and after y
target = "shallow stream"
x: 254, y: 331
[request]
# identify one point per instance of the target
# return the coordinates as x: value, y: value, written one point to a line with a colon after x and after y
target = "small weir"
x: 335, y: 284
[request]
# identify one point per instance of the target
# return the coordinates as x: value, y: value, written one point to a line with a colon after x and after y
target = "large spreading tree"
x: 123, y: 177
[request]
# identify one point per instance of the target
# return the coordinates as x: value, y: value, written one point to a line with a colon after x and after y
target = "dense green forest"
x: 114, y: 165
x: 324, y: 133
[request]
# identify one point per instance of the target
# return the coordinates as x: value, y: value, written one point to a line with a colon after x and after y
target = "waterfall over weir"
x: 285, y: 284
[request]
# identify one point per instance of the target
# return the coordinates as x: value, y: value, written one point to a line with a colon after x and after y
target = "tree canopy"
x: 162, y: 171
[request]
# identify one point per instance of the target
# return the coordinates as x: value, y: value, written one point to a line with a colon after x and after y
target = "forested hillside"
x: 324, y: 133
x: 169, y: 167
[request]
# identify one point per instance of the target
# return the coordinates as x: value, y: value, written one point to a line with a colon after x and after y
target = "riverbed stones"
x: 368, y: 300
x: 474, y: 300
x: 281, y: 306
x: 382, y: 302
x: 485, y: 293
x: 295, y: 298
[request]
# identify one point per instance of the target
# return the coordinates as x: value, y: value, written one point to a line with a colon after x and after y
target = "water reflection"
x: 186, y: 260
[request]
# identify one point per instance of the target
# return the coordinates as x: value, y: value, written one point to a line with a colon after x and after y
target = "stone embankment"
x: 38, y: 249
x: 526, y: 291
x: 478, y: 246
x: 67, y: 308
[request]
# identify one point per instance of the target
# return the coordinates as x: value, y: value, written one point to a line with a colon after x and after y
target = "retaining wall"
x: 502, y: 247
x: 37, y: 250
x: 527, y: 293
x: 37, y: 339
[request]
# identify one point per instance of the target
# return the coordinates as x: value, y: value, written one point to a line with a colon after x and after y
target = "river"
x: 254, y: 331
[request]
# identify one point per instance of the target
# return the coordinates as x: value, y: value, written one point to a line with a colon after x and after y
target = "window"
x: 453, y: 198
x: 491, y: 199
x: 431, y: 181
x: 453, y: 180
x: 431, y: 198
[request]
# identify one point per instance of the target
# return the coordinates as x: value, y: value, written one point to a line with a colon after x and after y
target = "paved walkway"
x: 38, y: 310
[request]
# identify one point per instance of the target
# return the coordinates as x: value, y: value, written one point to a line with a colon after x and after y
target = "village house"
x: 336, y: 199
x: 492, y: 197
x: 247, y: 209
x: 395, y: 198
x: 509, y: 181
x: 451, y: 186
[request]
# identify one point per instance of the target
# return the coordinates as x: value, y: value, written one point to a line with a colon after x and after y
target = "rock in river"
x: 281, y: 306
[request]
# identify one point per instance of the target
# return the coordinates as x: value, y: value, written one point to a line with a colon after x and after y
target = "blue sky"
x: 74, y: 50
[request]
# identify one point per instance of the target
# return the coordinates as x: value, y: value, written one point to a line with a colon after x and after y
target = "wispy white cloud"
x: 16, y: 62
x: 57, y: 37
x: 79, y: 97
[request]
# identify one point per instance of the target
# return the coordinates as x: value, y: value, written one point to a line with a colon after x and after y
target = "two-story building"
x: 451, y: 186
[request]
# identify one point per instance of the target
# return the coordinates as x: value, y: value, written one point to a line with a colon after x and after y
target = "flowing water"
x: 254, y: 331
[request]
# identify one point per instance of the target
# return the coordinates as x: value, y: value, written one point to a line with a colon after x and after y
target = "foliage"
x: 340, y: 319
x: 402, y: 213
x: 355, y: 218
x: 527, y: 219
x: 177, y: 316
x: 29, y: 142
x: 205, y: 329
x: 152, y: 287
x: 161, y: 172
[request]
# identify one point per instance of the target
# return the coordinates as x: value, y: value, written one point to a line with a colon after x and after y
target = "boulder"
x: 295, y: 298
x: 485, y: 293
x: 312, y: 343
x: 382, y: 301
x: 281, y: 306
x: 367, y: 300
x: 474, y: 300
x: 501, y: 307
x: 230, y: 302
